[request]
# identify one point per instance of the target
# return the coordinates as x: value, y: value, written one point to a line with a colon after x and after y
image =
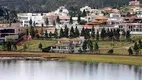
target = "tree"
x: 46, y: 34
x: 84, y: 46
x: 30, y: 22
x: 41, y: 32
x: 90, y: 45
x: 47, y: 21
x: 93, y: 32
x: 72, y: 33
x: 71, y: 21
x: 123, y: 34
x: 140, y: 43
x: 61, y: 33
x: 87, y: 34
x: 50, y: 34
x: 34, y: 24
x: 77, y: 32
x: 27, y: 32
x: 79, y: 19
x: 37, y: 34
x: 136, y: 48
x: 54, y: 23
x: 56, y: 33
x: 66, y: 31
x: 40, y: 46
x: 83, y: 32
x: 130, y: 51
x: 58, y: 20
x: 97, y: 35
x: 103, y: 33
x: 32, y: 32
x: 84, y: 13
x: 128, y: 35
x: 13, y: 16
x: 25, y: 47
x: 96, y: 47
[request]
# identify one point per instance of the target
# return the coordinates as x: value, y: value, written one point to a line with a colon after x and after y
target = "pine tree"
x: 32, y: 32
x: 96, y: 47
x: 123, y: 34
x: 30, y: 22
x: 97, y: 35
x: 58, y: 20
x: 47, y: 22
x: 66, y: 31
x: 90, y: 45
x: 93, y: 32
x: 140, y: 43
x: 84, y: 13
x: 72, y: 33
x: 118, y: 34
x: 83, y: 32
x: 128, y: 35
x: 25, y: 47
x: 50, y: 34
x: 40, y: 46
x: 54, y: 23
x: 34, y: 24
x: 136, y: 48
x: 71, y: 21
x: 41, y: 32
x: 130, y: 51
x: 27, y: 32
x: 87, y: 34
x: 103, y: 33
x: 46, y: 34
x: 84, y: 46
x: 77, y: 32
x: 79, y: 19
x: 56, y: 33
x: 61, y: 33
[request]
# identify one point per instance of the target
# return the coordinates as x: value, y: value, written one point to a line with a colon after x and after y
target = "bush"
x: 82, y: 22
x: 47, y: 49
x: 110, y: 51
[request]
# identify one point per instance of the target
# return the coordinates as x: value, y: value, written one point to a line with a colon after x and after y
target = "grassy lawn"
x: 136, y: 37
x: 108, y: 44
x: 33, y: 44
x: 116, y: 59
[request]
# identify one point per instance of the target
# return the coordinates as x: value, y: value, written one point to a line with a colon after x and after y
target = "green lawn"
x: 110, y: 44
x: 33, y: 44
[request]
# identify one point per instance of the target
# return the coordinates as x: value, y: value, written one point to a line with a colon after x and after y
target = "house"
x: 24, y: 19
x: 66, y: 45
x: 9, y: 33
x: 134, y: 5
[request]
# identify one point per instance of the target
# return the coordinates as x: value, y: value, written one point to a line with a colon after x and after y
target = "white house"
x: 24, y: 19
x: 61, y: 10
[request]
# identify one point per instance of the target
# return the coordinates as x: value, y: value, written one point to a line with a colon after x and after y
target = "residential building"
x: 66, y: 45
x: 9, y: 33
x: 36, y: 18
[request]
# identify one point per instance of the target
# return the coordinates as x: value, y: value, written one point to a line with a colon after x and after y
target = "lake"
x: 53, y: 70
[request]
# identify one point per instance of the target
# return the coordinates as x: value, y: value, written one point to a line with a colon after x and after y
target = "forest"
x: 50, y: 5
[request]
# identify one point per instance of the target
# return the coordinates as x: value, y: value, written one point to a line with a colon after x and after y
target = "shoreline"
x: 114, y: 59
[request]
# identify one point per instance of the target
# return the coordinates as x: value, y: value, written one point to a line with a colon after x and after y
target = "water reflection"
x: 52, y: 70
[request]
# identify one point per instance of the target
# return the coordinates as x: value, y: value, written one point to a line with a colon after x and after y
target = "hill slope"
x: 48, y: 5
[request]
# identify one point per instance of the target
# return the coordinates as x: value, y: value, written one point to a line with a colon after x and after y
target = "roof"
x: 87, y: 26
x: 68, y: 39
x: 60, y: 45
x: 64, y: 17
x: 107, y: 9
x: 101, y: 17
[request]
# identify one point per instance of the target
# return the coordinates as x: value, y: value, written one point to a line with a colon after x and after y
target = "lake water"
x: 53, y: 70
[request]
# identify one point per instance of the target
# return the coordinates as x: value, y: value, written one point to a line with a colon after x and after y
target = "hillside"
x: 48, y: 5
